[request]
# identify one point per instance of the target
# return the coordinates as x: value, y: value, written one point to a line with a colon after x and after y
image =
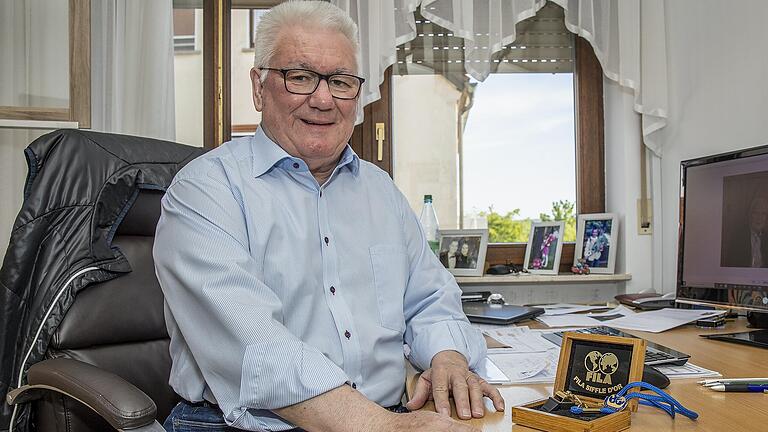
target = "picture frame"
x: 596, y: 241
x: 462, y: 252
x: 545, y: 246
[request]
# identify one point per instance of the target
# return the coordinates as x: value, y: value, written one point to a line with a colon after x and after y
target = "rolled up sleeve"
x: 435, y: 320
x: 228, y: 317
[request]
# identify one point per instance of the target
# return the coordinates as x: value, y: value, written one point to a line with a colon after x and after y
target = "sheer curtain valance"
x: 628, y: 37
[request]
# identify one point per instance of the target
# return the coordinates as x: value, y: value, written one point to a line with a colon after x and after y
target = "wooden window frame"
x: 79, y: 109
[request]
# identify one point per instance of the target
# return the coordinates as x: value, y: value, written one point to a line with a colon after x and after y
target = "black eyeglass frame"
x: 320, y: 76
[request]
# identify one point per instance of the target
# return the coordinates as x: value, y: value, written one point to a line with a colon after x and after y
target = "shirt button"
x: 296, y: 165
x: 354, y: 386
x: 347, y: 334
x: 326, y: 240
x: 333, y: 290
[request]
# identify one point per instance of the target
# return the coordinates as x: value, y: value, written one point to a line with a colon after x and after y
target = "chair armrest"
x: 116, y: 400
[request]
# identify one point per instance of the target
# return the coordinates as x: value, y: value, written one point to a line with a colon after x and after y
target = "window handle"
x: 380, y: 141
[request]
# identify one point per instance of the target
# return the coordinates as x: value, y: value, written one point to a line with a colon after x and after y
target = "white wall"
x: 622, y: 167
x: 425, y: 143
x: 718, y: 94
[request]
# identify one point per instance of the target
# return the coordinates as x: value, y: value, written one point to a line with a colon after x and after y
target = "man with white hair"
x: 293, y: 272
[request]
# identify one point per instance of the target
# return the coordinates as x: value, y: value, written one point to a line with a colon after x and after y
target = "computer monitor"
x: 723, y: 245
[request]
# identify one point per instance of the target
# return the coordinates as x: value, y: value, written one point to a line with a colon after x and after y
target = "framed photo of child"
x: 545, y: 245
x: 596, y: 236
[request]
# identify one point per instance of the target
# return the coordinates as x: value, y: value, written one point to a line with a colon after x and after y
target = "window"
x: 435, y: 160
x: 498, y: 153
x: 36, y: 95
x: 184, y: 30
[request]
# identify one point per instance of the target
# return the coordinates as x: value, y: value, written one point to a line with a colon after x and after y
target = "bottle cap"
x: 427, y: 198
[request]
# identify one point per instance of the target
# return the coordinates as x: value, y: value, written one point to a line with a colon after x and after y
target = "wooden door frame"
x: 216, y: 73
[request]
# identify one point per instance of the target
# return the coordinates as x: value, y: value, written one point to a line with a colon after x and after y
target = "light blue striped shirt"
x: 278, y: 289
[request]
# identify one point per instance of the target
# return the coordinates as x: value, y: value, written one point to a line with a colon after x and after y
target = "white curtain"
x: 34, y: 71
x: 132, y: 88
x: 628, y: 37
x: 132, y: 67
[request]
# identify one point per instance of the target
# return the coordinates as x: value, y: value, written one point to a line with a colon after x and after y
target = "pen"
x: 757, y: 388
x: 709, y: 382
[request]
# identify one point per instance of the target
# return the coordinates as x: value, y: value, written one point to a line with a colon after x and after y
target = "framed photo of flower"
x: 596, y: 236
x: 462, y: 252
x: 545, y: 245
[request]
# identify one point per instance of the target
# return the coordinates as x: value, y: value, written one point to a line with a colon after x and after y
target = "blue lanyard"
x: 662, y: 400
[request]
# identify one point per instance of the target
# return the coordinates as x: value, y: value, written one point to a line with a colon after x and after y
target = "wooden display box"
x: 591, y: 367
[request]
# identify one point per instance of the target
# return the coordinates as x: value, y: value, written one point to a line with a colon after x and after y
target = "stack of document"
x: 624, y: 318
x: 527, y: 357
x: 661, y: 320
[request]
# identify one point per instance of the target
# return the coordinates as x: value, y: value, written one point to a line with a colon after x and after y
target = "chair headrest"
x: 143, y: 215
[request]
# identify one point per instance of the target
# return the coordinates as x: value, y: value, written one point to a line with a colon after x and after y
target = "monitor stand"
x: 757, y: 320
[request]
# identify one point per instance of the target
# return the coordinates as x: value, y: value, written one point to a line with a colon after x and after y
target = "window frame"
x: 79, y: 110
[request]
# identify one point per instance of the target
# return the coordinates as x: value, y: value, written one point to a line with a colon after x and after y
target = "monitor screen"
x: 723, y: 249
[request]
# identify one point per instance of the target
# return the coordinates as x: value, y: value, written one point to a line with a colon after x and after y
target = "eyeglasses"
x: 305, y: 82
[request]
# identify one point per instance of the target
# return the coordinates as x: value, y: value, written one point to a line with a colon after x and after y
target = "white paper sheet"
x: 491, y: 373
x: 660, y: 320
x: 519, y: 339
x: 586, y: 320
x: 573, y: 320
x: 528, y: 368
x: 566, y: 308
x: 615, y: 313
x: 687, y: 370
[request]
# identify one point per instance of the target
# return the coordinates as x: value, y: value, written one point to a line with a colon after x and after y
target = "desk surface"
x: 717, y: 411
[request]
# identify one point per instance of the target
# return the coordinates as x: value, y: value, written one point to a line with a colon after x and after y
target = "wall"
x: 243, y: 111
x: 622, y: 171
x: 425, y: 144
x: 539, y: 293
x: 718, y: 96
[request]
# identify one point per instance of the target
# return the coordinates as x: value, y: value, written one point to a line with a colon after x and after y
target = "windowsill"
x: 541, y: 279
x: 37, y: 124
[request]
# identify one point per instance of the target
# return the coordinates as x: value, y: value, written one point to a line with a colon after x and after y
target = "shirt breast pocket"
x: 390, y: 277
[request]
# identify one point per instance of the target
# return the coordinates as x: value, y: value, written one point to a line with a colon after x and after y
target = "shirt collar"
x: 267, y: 154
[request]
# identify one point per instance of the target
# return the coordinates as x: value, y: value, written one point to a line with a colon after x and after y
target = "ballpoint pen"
x: 710, y: 382
x: 741, y: 387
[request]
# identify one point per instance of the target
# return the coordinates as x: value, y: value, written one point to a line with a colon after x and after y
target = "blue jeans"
x: 200, y: 417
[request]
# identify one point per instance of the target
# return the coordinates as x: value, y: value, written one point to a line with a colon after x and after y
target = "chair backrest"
x: 118, y: 326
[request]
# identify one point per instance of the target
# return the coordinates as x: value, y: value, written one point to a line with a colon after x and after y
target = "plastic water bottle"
x: 428, y: 222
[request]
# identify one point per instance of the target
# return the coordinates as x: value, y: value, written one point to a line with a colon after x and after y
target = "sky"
x: 519, y: 149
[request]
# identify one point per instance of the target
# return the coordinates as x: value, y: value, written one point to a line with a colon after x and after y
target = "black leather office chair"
x: 108, y: 364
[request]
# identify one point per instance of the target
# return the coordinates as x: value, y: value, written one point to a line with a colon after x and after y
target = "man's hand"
x: 450, y: 374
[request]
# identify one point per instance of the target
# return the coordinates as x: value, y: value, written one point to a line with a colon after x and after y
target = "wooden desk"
x: 729, y: 412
